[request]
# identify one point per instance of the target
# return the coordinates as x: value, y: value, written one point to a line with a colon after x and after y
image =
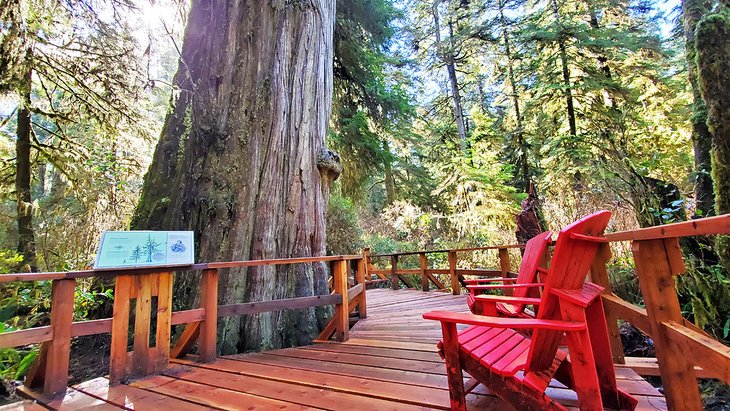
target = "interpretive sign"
x: 144, y: 248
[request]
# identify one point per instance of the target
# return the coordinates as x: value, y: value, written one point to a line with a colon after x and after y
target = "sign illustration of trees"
x: 136, y: 254
x: 150, y: 247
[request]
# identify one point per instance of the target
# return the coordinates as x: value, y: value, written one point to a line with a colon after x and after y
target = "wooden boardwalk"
x: 389, y: 363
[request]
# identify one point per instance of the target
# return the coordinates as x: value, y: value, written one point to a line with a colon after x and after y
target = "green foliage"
x: 704, y: 292
x: 21, y: 306
x: 14, y: 363
x: 344, y: 235
x: 370, y: 103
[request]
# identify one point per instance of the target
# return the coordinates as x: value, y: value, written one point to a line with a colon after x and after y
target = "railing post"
x: 504, y: 266
x: 342, y: 311
x: 142, y: 318
x: 59, y: 350
x: 209, y: 325
x: 423, y: 260
x: 164, y: 316
x: 394, y: 280
x: 120, y: 328
x: 360, y: 275
x: 657, y: 261
x: 455, y: 286
x: 599, y: 275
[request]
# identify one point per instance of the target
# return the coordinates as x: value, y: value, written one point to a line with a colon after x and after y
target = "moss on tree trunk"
x: 23, y: 175
x: 692, y: 12
x: 238, y: 161
x: 713, y: 63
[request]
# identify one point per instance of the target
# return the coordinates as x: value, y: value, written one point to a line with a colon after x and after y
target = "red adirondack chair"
x: 517, y: 365
x: 524, y: 286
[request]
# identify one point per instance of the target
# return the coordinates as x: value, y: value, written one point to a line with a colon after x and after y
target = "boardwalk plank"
x: 376, y: 352
x: 211, y: 396
x: 411, y: 394
x: 70, y: 400
x: 300, y: 394
x: 134, y: 398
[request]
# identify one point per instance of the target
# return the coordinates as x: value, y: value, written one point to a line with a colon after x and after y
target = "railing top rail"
x: 493, y: 247
x: 112, y: 272
x: 702, y: 226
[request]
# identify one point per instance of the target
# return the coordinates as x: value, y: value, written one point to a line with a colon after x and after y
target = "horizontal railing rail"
x: 485, y: 248
x: 50, y: 370
x: 396, y: 275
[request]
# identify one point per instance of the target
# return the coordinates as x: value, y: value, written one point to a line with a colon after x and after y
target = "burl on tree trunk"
x: 241, y: 160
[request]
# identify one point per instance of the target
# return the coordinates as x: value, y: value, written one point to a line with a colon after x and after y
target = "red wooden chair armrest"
x: 499, y: 322
x: 507, y: 299
x: 490, y: 280
x: 503, y: 286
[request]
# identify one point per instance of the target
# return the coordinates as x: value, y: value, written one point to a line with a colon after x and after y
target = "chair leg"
x: 598, y: 331
x: 582, y: 361
x: 454, y: 375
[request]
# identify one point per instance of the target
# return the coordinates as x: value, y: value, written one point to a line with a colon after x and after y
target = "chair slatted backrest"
x: 531, y: 259
x: 569, y: 266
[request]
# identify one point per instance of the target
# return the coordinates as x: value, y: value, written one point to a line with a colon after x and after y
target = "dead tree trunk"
x: 529, y: 223
x: 241, y: 160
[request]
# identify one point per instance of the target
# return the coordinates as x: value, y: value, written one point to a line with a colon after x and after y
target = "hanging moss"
x: 713, y: 63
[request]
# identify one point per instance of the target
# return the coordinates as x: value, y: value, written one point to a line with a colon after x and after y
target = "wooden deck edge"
x: 649, y: 367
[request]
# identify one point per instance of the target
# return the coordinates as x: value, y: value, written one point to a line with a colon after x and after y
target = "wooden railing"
x: 679, y: 344
x: 684, y: 351
x: 428, y: 275
x: 50, y: 371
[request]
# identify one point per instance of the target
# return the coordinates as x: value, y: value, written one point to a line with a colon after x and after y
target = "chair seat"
x: 504, y: 352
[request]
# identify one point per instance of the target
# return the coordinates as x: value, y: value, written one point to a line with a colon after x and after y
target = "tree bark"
x: 447, y: 56
x: 692, y: 12
x: 12, y: 45
x: 389, y: 177
x: 241, y: 160
x: 713, y: 63
x: 26, y: 237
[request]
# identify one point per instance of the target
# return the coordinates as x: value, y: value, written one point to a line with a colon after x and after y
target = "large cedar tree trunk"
x: 713, y: 63
x: 241, y: 159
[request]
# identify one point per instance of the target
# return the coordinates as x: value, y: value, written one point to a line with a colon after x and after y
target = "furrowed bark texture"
x: 692, y: 12
x: 241, y: 160
x: 713, y: 63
